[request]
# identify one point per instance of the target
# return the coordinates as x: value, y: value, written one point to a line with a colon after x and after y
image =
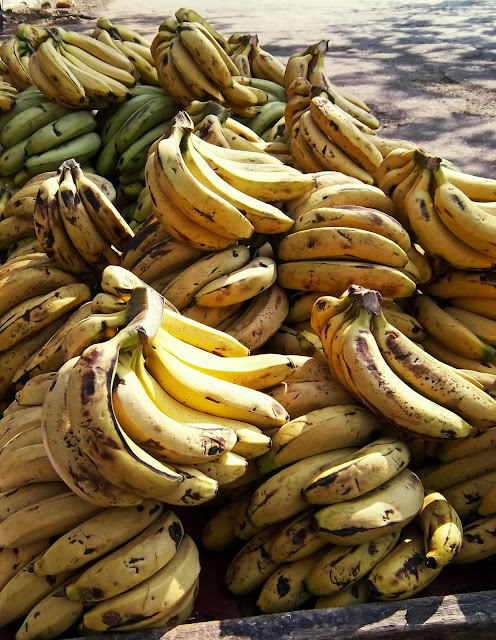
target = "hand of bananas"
x: 252, y: 300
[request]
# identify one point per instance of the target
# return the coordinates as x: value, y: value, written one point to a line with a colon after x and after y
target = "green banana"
x: 81, y: 149
x: 151, y: 114
x: 25, y: 99
x: 121, y: 113
x: 270, y: 113
x: 11, y: 160
x: 132, y: 158
x: 29, y: 121
x: 65, y: 128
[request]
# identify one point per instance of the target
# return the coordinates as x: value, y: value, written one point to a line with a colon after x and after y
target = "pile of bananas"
x: 252, y: 301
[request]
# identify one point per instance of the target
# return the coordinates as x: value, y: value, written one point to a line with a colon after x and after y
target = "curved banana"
x: 341, y: 566
x: 403, y: 572
x: 386, y: 509
x: 443, y: 531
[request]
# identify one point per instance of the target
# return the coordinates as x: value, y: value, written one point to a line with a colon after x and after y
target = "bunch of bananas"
x: 8, y: 93
x: 76, y: 224
x: 131, y: 44
x: 39, y: 135
x: 129, y: 130
x: 78, y: 71
x: 36, y: 298
x: 386, y: 370
x: 310, y: 65
x: 192, y: 62
x: 211, y: 197
x: 457, y: 228
x: 15, y: 53
x: 254, y: 62
x: 296, y: 551
x: 122, y: 553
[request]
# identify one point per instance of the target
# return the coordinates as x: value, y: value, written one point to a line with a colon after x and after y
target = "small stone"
x: 64, y: 4
x: 45, y: 5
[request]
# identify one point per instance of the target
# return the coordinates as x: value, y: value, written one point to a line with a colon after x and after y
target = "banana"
x: 431, y: 377
x: 51, y: 232
x: 98, y: 67
x: 321, y: 430
x: 261, y: 319
x: 356, y: 593
x: 403, y: 572
x: 300, y: 306
x: 16, y: 70
x: 478, y: 541
x: 51, y: 89
x: 252, y: 566
x: 225, y: 469
x: 82, y: 148
x: 149, y: 115
x: 13, y: 229
x: 24, y: 466
x: 484, y: 328
x: 218, y: 532
x: 286, y: 589
x: 355, y: 217
x: 344, y: 194
x: 297, y: 539
x: 195, y: 200
x: 328, y: 243
x: 463, y: 217
x: 199, y: 84
x: 448, y: 451
x: 163, y: 258
x: 467, y: 498
x: 76, y: 469
x: 34, y: 390
x: 100, y: 534
x: 157, y: 432
x: 458, y: 283
x: 27, y: 495
x: 264, y: 217
x: 157, y: 594
x: 205, y: 53
x: 386, y: 393
x: 102, y: 212
x: 170, y: 78
x: 194, y: 489
x: 255, y: 372
x: 443, y: 531
x: 447, y: 474
x: 28, y: 121
x: 386, y: 509
x: 51, y: 516
x: 238, y: 286
x: 37, y: 370
x: 25, y: 438
x: 332, y: 277
x: 50, y: 617
x: 14, y: 560
x: 300, y: 397
x: 24, y: 591
x: 94, y: 328
x: 36, y: 313
x: 342, y: 566
x: 131, y: 564
x: 455, y: 360
x: 144, y: 239
x: 181, y: 291
x: 26, y: 418
x: 268, y: 186
x: 203, y: 392
x: 365, y: 470
x: 280, y: 496
x: 141, y: 58
x: 405, y: 323
x: 450, y: 332
x: 85, y: 236
x: 95, y: 48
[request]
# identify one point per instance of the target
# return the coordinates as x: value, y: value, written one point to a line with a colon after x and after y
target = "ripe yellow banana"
x: 99, y: 535
x: 443, y: 531
x: 365, y: 470
x: 447, y: 474
x: 298, y: 539
x: 157, y: 594
x: 325, y: 429
x: 467, y: 497
x: 478, y: 541
x: 356, y: 593
x: 484, y: 328
x: 386, y: 509
x: 403, y: 572
x: 342, y: 566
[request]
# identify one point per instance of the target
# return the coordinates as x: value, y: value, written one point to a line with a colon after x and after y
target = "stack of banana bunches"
x: 220, y: 285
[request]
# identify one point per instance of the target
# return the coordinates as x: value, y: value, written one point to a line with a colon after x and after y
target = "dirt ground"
x: 425, y: 68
